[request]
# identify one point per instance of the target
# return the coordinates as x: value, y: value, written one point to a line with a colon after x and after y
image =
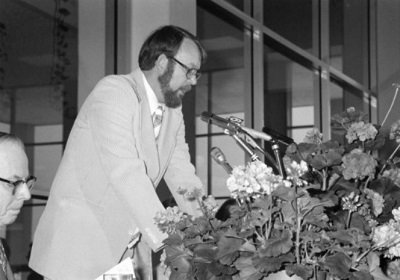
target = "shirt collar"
x: 151, y: 96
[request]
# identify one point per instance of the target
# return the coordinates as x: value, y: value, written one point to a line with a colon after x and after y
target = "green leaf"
x: 361, y: 275
x: 339, y: 265
x: 173, y: 240
x: 277, y: 245
x: 246, y: 269
x: 228, y: 247
x: 284, y: 193
x: 180, y: 268
x: 173, y: 253
x: 268, y: 265
x: 192, y: 241
x: 205, y: 251
x: 373, y: 261
x: 220, y: 270
x: 303, y: 271
x: 248, y: 247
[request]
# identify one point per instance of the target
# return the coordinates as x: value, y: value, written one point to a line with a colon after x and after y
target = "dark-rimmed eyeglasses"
x: 29, y: 181
x: 190, y: 72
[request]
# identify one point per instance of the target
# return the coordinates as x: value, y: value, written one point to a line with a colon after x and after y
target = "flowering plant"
x: 335, y: 214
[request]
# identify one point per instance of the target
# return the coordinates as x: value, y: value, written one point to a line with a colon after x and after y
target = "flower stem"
x: 348, y: 219
x: 364, y: 254
x: 389, y: 159
x: 391, y: 105
x: 202, y: 207
x: 324, y: 180
x: 298, y: 240
x: 298, y: 227
x: 269, y: 223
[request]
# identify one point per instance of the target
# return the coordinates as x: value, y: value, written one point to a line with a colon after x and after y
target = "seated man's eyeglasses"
x: 190, y: 72
x: 29, y: 181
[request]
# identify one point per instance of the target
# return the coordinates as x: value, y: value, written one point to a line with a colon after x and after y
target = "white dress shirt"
x: 153, y: 102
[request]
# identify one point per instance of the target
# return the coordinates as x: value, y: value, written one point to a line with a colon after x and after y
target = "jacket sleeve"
x: 181, y: 173
x: 114, y: 121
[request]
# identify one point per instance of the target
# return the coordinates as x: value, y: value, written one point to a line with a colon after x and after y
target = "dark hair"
x: 165, y: 40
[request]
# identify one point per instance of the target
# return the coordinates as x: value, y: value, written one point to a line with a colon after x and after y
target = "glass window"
x: 289, y: 95
x: 292, y: 20
x: 220, y: 91
x: 348, y: 38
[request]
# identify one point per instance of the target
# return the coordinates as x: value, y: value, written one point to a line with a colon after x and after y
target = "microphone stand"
x: 268, y: 157
x: 253, y: 156
x: 245, y: 147
x: 278, y: 164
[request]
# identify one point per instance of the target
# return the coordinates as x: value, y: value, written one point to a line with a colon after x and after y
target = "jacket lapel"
x: 146, y: 143
x: 167, y: 137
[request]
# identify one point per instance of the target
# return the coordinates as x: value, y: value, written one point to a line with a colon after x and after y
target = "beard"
x: 172, y: 98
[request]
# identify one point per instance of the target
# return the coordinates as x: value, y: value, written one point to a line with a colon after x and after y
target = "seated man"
x: 15, y: 186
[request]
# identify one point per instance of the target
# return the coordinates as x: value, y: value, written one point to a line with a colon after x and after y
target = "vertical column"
x: 388, y: 57
x: 91, y: 46
x: 322, y: 93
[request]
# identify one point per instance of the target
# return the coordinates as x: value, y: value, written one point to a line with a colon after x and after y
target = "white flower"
x: 295, y: 170
x: 254, y: 179
x: 167, y: 220
x: 377, y: 201
x: 210, y: 204
x: 396, y: 214
x: 388, y: 236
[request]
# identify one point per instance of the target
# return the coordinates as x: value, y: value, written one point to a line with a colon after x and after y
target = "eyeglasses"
x: 190, y: 72
x: 29, y: 181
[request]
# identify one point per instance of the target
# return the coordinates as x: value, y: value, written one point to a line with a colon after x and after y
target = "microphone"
x: 218, y: 121
x: 276, y: 135
x: 257, y: 134
x: 219, y: 157
x: 235, y: 127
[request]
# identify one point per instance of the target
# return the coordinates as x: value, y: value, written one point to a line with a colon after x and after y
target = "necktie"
x: 157, y: 119
x: 3, y: 263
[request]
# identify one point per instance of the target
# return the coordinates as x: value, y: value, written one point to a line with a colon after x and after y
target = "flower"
x: 334, y: 213
x: 358, y: 165
x: 395, y: 131
x: 253, y: 180
x: 169, y: 220
x: 388, y: 235
x: 313, y: 136
x: 361, y: 131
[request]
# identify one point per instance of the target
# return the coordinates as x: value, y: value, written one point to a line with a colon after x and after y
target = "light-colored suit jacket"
x: 104, y: 188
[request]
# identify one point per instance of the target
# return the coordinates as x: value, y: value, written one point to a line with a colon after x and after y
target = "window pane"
x: 298, y: 134
x: 292, y: 20
x: 288, y: 94
x: 348, y: 38
x: 44, y: 162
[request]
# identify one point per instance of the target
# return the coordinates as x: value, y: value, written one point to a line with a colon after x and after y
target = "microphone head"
x: 217, y: 155
x: 206, y: 116
x: 286, y: 140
